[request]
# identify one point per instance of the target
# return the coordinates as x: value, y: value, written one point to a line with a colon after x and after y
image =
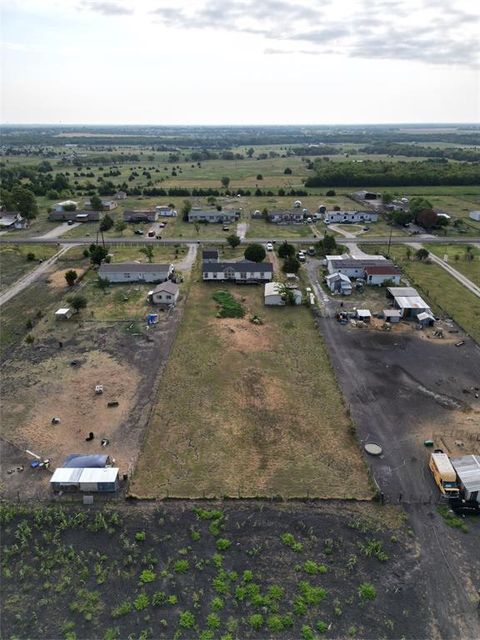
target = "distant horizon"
x: 237, y: 124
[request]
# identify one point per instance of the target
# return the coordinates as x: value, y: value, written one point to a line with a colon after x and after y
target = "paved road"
x: 27, y: 280
x: 307, y: 241
x: 471, y: 286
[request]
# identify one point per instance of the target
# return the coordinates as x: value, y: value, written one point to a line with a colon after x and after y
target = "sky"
x: 239, y: 61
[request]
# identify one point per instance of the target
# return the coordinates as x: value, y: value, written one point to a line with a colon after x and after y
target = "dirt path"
x: 242, y: 228
x: 188, y: 261
x: 27, y: 280
x: 60, y: 230
x: 453, y: 272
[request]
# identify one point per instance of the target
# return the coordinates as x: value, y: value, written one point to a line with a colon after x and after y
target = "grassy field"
x: 446, y: 295
x: 249, y: 410
x: 14, y: 263
x: 456, y: 258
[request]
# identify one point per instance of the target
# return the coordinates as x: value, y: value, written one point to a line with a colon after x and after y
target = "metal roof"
x: 243, y: 266
x: 357, y: 263
x: 411, y: 302
x: 392, y: 313
x: 80, y: 460
x: 468, y: 470
x: 66, y: 475
x: 386, y: 269
x: 338, y: 276
x: 136, y: 267
x: 107, y: 474
x: 169, y: 287
x: 402, y: 291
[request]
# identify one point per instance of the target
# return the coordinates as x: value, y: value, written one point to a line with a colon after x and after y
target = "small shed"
x: 392, y: 315
x: 425, y: 319
x: 468, y: 472
x: 339, y: 283
x: 63, y: 314
x: 93, y: 479
x: 364, y: 314
x: 274, y: 294
x: 474, y: 215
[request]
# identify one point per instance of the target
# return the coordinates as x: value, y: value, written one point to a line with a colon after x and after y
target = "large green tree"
x: 255, y: 252
x: 24, y: 202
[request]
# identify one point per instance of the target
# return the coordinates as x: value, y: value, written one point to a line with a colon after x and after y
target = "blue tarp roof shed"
x: 80, y: 460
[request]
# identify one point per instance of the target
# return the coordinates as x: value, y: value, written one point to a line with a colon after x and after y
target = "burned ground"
x: 249, y: 570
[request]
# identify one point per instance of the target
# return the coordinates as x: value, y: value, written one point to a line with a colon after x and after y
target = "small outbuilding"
x: 92, y: 479
x: 474, y: 215
x: 165, y: 293
x: 392, y: 315
x: 364, y: 314
x: 275, y: 295
x: 468, y: 471
x: 425, y: 319
x: 339, y: 283
x: 65, y: 313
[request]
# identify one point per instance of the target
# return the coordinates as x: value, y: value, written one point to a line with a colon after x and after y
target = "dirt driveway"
x: 402, y: 389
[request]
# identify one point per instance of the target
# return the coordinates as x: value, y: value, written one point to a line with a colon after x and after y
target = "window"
x: 126, y: 275
x: 243, y: 276
x: 168, y: 296
x: 214, y: 275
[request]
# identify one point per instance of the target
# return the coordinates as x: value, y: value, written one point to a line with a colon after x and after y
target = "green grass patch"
x: 451, y: 519
x: 229, y: 307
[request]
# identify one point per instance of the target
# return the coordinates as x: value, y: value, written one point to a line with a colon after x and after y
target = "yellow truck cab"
x: 444, y: 474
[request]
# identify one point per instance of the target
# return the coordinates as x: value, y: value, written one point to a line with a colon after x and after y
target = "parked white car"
x: 269, y: 246
x: 301, y: 256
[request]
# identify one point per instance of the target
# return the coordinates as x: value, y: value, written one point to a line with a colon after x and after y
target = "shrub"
x: 275, y: 592
x: 141, y: 602
x: 275, y: 623
x: 286, y: 250
x: 158, y: 598
x: 367, y: 591
x: 213, y: 621
x: 223, y: 544
x: 147, y: 576
x: 195, y: 534
x: 256, y: 621
x: 321, y: 626
x: 30, y: 256
x: 181, y: 566
x: 299, y: 606
x: 140, y: 536
x: 247, y: 575
x: 373, y: 547
x: 311, y: 594
x: 307, y: 632
x: 289, y: 540
x: 122, y: 609
x: 172, y: 600
x: 312, y: 568
x: 217, y: 604
x: 186, y: 620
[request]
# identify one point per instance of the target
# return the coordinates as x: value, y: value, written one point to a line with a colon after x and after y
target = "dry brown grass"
x: 247, y: 410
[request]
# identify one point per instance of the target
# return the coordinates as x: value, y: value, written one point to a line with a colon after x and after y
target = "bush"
x: 286, y: 250
x: 147, y: 576
x: 256, y: 621
x: 275, y: 623
x: 330, y: 193
x: 289, y: 541
x: 213, y: 621
x: 30, y: 256
x: 307, y: 633
x: 367, y: 591
x: 158, y: 598
x: 208, y: 514
x: 291, y: 265
x: 181, y: 566
x: 321, y: 626
x: 223, y: 544
x: 141, y: 602
x: 288, y: 171
x: 140, y: 536
x: 186, y: 620
x: 217, y: 604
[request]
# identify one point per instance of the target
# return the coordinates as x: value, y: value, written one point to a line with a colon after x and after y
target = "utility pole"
x: 389, y: 242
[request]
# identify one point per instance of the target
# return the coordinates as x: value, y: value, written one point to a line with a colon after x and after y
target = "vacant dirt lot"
x: 223, y: 571
x: 249, y: 410
x: 403, y: 388
x: 39, y: 383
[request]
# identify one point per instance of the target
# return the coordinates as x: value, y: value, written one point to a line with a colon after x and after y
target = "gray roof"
x: 169, y: 287
x: 121, y: 267
x: 404, y: 292
x: 468, y: 470
x: 244, y: 266
x: 209, y: 253
x: 358, y: 264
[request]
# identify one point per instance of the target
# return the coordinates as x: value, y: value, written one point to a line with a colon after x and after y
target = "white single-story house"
x: 135, y: 272
x: 286, y: 217
x: 69, y: 204
x: 381, y: 273
x: 274, y: 295
x: 10, y: 220
x: 98, y: 480
x: 353, y: 267
x: 350, y: 216
x: 63, y: 314
x: 339, y: 283
x: 164, y: 211
x: 165, y: 293
x: 242, y: 272
x: 196, y: 214
x: 474, y: 215
x: 140, y: 215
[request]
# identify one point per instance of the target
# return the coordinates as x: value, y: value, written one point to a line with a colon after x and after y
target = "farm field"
x: 275, y: 424
x: 207, y: 571
x: 447, y: 296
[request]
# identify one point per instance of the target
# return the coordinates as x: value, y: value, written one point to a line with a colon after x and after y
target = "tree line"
x: 419, y: 151
x: 374, y: 173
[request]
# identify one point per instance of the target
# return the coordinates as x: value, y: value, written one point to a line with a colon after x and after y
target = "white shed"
x: 63, y: 314
x: 474, y: 215
x: 274, y: 295
x: 468, y: 472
